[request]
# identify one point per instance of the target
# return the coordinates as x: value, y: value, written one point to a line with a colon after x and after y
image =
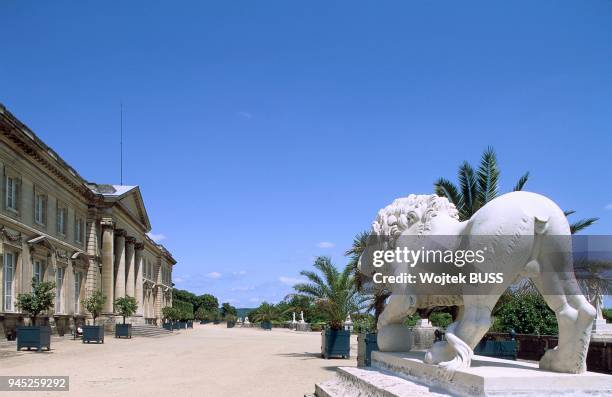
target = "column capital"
x: 107, y: 222
x: 130, y: 240
x: 120, y: 233
x: 139, y: 246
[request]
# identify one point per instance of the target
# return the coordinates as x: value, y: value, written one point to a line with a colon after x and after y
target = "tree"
x: 378, y: 293
x: 526, y: 313
x: 334, y: 292
x: 40, y: 300
x: 228, y: 310
x: 476, y: 187
x: 266, y: 312
x: 171, y: 313
x: 208, y: 302
x: 126, y: 306
x: 94, y: 304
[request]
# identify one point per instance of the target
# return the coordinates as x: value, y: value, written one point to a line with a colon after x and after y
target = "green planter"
x: 216, y: 322
x: 335, y: 343
x: 93, y: 333
x: 231, y: 324
x: 167, y: 326
x: 366, y: 344
x: 123, y: 331
x: 266, y: 325
x: 189, y: 324
x: 37, y: 337
x: 506, y: 349
x: 204, y: 322
x: 182, y: 324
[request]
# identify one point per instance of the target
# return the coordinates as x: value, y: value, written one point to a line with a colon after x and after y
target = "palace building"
x: 84, y: 236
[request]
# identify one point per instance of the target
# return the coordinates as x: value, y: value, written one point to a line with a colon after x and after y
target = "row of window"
x: 38, y: 271
x: 12, y: 203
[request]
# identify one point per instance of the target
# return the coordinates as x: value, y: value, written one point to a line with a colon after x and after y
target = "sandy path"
x: 206, y: 361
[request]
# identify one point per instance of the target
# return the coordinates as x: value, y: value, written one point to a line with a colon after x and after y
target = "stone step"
x: 370, y: 382
x: 148, y: 330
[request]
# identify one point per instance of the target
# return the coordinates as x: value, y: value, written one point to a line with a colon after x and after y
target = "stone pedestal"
x: 423, y: 335
x: 601, y: 327
x: 304, y: 327
x: 405, y: 374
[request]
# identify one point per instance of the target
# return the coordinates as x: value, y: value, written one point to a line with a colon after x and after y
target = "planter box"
x: 167, y: 326
x: 230, y: 324
x: 266, y: 325
x: 189, y: 324
x: 216, y: 322
x: 335, y: 343
x: 507, y: 349
x: 93, y: 333
x: 123, y: 330
x: 37, y: 337
x: 204, y: 322
x: 176, y: 325
x: 182, y: 324
x: 366, y: 344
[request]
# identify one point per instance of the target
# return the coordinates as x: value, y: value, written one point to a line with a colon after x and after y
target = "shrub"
x: 94, y: 304
x: 126, y: 306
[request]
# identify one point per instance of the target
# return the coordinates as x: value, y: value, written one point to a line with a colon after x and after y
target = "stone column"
x: 92, y: 281
x: 108, y: 259
x: 120, y: 263
x: 138, y: 287
x: 129, y: 263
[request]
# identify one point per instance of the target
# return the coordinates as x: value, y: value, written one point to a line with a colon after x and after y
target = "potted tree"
x: 34, y: 303
x: 169, y: 314
x: 94, y: 305
x: 201, y: 315
x: 336, y: 297
x: 231, y: 320
x: 265, y: 314
x: 126, y: 306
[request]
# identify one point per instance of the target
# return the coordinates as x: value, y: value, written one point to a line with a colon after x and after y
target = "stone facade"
x: 56, y: 226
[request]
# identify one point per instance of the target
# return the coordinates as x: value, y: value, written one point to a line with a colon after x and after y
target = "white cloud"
x: 239, y: 273
x: 290, y: 281
x: 246, y: 115
x: 325, y: 244
x: 157, y: 237
x: 608, y: 207
x: 214, y: 275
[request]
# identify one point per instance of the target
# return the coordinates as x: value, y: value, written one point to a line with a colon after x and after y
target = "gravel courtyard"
x: 209, y: 360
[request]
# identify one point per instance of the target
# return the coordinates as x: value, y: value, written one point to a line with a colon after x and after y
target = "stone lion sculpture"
x: 523, y: 231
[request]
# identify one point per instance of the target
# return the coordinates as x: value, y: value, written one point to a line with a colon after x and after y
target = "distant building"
x: 56, y: 226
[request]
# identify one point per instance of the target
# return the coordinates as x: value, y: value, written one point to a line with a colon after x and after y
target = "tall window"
x: 40, y: 209
x: 37, y: 271
x: 8, y: 276
x: 11, y: 193
x: 78, y: 276
x: 79, y: 229
x: 59, y: 280
x: 61, y: 220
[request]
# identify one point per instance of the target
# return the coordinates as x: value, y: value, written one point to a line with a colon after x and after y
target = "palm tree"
x: 334, y: 292
x: 476, y: 188
x: 266, y: 312
x: 376, y: 296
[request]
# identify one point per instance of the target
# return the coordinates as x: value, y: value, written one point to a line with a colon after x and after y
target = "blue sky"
x: 265, y: 133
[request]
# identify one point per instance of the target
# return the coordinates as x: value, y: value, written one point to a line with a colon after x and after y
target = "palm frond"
x: 582, y: 224
x: 521, y: 182
x: 445, y: 188
x: 568, y: 212
x: 488, y: 177
x: 467, y: 183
